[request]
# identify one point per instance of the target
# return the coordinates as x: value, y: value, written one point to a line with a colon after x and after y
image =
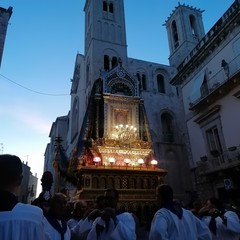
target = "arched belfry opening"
x: 175, y: 34
x: 185, y: 29
x: 193, y: 25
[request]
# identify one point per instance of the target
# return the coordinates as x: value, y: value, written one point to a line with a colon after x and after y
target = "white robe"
x: 81, y: 230
x: 72, y: 223
x: 24, y: 222
x: 54, y: 234
x: 124, y: 229
x: 167, y: 226
x: 231, y: 231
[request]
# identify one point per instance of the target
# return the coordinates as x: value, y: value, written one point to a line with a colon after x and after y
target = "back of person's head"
x: 111, y: 197
x: 99, y: 204
x: 58, y: 205
x: 79, y: 209
x: 216, y: 202
x: 165, y: 193
x: 114, y: 191
x: 42, y: 202
x: 10, y: 171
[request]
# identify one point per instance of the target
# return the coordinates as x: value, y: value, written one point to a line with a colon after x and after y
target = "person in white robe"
x: 55, y: 224
x: 113, y: 224
x: 23, y: 222
x: 172, y: 222
x: 18, y: 221
x: 79, y: 209
x: 81, y: 230
x: 224, y: 225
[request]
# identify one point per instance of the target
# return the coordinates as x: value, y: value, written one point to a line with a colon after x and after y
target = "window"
x: 108, y: 7
x: 106, y: 62
x: 138, y: 77
x: 111, y: 7
x: 142, y: 81
x: 198, y: 87
x: 144, y: 85
x: 193, y: 27
x: 204, y: 88
x: 105, y: 6
x: 114, y: 62
x: 167, y: 127
x: 175, y: 34
x: 214, y: 143
x: 160, y: 83
x: 211, y: 126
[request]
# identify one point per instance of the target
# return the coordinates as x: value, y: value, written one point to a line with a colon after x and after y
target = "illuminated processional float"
x: 114, y: 149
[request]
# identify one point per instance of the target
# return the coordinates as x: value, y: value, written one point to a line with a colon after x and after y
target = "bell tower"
x: 185, y: 29
x: 105, y: 36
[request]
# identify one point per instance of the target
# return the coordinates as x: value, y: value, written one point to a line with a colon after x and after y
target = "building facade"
x: 209, y: 80
x: 28, y: 189
x: 5, y: 15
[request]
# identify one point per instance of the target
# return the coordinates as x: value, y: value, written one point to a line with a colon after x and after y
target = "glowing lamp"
x: 140, y: 161
x: 111, y: 160
x: 154, y: 162
x: 127, y: 161
x: 97, y: 159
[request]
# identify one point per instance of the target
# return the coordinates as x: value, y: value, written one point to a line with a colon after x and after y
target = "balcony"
x: 218, y: 85
x: 226, y: 160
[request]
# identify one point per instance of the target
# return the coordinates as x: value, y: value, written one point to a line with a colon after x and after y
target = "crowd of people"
x: 56, y: 218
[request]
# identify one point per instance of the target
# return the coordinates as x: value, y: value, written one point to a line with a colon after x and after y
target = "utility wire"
x: 31, y: 90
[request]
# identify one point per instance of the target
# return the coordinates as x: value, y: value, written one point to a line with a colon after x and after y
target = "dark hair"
x: 216, y: 202
x: 112, y: 190
x: 10, y: 169
x: 100, y: 198
x: 166, y: 193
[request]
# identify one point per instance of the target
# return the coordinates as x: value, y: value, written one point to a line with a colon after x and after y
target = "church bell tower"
x: 105, y: 36
x: 185, y: 29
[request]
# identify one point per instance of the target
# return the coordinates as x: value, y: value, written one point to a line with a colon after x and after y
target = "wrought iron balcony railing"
x: 215, y: 83
x: 228, y: 159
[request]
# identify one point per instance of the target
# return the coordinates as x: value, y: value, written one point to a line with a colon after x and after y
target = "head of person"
x: 100, y: 201
x: 79, y: 209
x: 111, y: 198
x: 10, y: 172
x: 42, y: 202
x: 214, y: 203
x: 58, y: 206
x: 164, y: 195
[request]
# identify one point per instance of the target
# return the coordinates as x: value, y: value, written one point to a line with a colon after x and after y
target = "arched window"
x: 114, y: 62
x: 175, y: 34
x: 167, y: 127
x: 160, y: 83
x: 111, y: 7
x: 144, y: 84
x: 138, y: 77
x: 193, y: 27
x: 106, y: 62
x: 105, y: 6
x: 142, y: 81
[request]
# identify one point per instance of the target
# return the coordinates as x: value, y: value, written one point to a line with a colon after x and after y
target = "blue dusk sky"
x: 42, y: 41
